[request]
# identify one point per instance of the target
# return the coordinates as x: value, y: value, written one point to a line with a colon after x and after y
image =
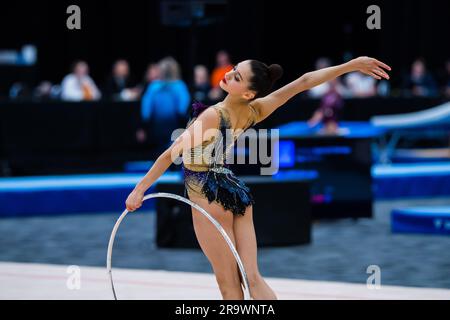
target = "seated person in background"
x: 360, y: 85
x: 327, y: 113
x: 164, y: 105
x: 419, y: 82
x: 119, y: 85
x: 151, y: 74
x: 43, y: 91
x: 19, y: 91
x: 201, y: 84
x: 78, y: 85
x: 223, y: 65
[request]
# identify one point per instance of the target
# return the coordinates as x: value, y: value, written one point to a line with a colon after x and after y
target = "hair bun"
x: 275, y: 72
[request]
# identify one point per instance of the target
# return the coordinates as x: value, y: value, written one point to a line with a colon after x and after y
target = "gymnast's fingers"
x: 381, y: 73
x: 382, y: 64
x: 374, y: 75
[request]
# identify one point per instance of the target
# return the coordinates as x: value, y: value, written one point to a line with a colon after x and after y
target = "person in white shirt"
x: 78, y: 85
x: 361, y: 85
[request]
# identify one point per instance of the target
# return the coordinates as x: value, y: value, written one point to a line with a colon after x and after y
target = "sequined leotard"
x: 206, y: 173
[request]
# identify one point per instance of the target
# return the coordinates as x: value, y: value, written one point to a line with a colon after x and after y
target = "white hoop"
x: 194, y: 205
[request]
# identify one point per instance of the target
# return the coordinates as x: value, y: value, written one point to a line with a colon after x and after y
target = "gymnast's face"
x: 236, y: 82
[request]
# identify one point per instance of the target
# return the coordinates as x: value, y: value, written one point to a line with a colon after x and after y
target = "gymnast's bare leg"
x: 244, y: 233
x: 216, y: 249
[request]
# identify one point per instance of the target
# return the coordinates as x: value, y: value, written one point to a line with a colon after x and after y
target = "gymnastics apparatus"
x: 200, y: 209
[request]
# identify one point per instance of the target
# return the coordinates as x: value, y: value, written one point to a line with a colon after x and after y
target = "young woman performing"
x: 211, y: 184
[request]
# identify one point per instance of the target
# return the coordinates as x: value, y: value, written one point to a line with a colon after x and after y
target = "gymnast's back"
x: 205, y: 169
x: 203, y: 157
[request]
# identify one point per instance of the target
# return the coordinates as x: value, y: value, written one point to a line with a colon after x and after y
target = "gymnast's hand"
x: 372, y: 67
x: 134, y: 200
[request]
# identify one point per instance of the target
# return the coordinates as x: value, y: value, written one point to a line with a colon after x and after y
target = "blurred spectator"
x: 151, y: 74
x: 78, y: 85
x: 19, y: 91
x: 201, y: 84
x: 384, y: 88
x: 164, y: 105
x: 43, y: 91
x: 119, y: 85
x: 360, y: 85
x: 320, y: 90
x: 223, y: 65
x: 420, y: 82
x: 327, y: 113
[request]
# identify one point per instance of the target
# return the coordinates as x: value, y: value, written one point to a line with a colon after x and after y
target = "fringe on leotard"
x: 225, y: 188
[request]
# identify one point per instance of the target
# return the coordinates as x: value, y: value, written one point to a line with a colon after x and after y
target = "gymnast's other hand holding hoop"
x: 134, y: 200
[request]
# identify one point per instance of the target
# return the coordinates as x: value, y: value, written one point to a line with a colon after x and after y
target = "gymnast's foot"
x: 260, y: 290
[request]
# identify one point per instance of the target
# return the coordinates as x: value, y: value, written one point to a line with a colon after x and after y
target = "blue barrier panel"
x: 411, y: 180
x: 54, y: 195
x: 427, y: 220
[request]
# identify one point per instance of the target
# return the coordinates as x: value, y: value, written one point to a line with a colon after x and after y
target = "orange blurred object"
x: 218, y: 74
x: 87, y: 92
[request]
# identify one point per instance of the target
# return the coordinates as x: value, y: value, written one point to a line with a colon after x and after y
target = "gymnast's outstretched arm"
x: 200, y: 130
x: 268, y: 104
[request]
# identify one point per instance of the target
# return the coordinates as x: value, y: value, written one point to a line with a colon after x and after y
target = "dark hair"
x: 263, y: 77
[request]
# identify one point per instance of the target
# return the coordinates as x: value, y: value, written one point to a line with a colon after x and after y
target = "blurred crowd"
x: 417, y: 82
x: 165, y: 96
x: 121, y: 85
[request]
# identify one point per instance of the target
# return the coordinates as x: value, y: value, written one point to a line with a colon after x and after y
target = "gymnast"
x: 208, y: 179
